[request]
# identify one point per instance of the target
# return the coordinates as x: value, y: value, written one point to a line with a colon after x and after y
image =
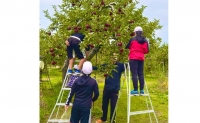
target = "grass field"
x: 157, y: 87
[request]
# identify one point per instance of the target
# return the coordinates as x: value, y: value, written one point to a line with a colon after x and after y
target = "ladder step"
x: 66, y: 88
x: 59, y: 120
x: 74, y: 74
x: 63, y: 104
x: 140, y: 95
x: 144, y: 95
x: 141, y: 112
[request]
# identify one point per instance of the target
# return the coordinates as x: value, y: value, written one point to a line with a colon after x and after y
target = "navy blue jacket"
x: 75, y: 41
x: 79, y: 35
x: 113, y: 83
x: 83, y: 88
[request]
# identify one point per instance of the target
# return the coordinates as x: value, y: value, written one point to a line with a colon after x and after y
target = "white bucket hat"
x: 87, y: 67
x: 138, y: 28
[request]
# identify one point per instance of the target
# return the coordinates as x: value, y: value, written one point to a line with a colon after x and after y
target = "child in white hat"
x: 84, y: 87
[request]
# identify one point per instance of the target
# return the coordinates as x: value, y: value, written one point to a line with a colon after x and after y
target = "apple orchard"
x: 108, y: 26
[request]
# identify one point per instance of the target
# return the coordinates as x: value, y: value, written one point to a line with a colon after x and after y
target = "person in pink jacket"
x: 138, y: 46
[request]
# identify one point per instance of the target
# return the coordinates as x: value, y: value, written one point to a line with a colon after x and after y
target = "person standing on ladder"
x: 111, y: 90
x: 138, y: 46
x: 83, y: 88
x: 73, y: 45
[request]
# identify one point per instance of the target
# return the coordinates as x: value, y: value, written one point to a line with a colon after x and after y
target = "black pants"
x: 137, y: 68
x: 80, y: 114
x: 111, y: 96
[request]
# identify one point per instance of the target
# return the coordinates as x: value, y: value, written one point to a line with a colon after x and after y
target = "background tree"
x: 107, y: 24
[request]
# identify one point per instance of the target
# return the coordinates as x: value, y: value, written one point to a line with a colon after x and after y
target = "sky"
x: 156, y: 9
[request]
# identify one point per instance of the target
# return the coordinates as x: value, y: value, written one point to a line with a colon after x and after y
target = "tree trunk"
x: 64, y: 68
x: 92, y: 53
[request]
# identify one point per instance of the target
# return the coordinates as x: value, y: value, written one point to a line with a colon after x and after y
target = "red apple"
x: 132, y: 34
x: 107, y: 25
x: 102, y: 3
x: 76, y: 30
x: 94, y: 13
x: 88, y: 26
x: 49, y: 33
x: 91, y: 45
x: 119, y: 10
x: 121, y: 50
x: 69, y: 28
x: 131, y: 21
x: 59, y: 47
x: 52, y: 50
x: 105, y: 75
x: 73, y: 4
x: 53, y: 62
x: 75, y: 27
x: 105, y: 29
x: 53, y: 54
x: 79, y: 28
x: 119, y: 44
x: 118, y: 35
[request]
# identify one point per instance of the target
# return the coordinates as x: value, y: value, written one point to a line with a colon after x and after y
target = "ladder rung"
x: 144, y: 95
x: 74, y: 74
x: 59, y: 120
x: 141, y: 112
x: 66, y: 88
x: 63, y: 104
x: 140, y: 95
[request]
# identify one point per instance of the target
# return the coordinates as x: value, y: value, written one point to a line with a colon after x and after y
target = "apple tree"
x: 157, y: 60
x: 107, y: 24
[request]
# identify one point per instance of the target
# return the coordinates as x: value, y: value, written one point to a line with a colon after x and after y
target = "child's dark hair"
x: 140, y: 38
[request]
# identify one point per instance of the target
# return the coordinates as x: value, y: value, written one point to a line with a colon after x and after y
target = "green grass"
x: 157, y: 87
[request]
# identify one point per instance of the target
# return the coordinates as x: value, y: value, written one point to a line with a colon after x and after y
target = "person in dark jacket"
x: 111, y: 90
x: 73, y: 47
x: 138, y: 47
x: 84, y: 87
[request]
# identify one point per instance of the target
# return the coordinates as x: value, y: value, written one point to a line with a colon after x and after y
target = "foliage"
x: 157, y: 60
x: 105, y: 23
